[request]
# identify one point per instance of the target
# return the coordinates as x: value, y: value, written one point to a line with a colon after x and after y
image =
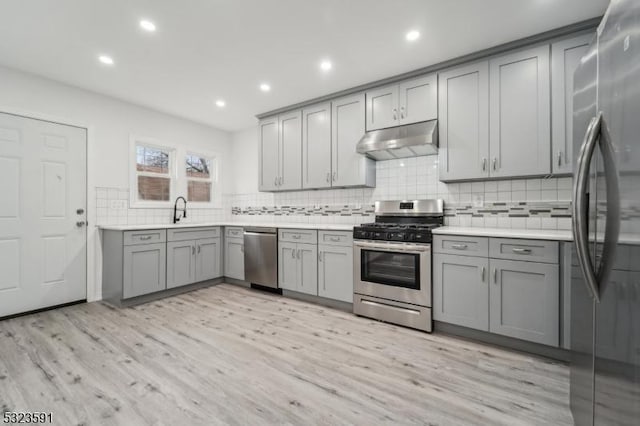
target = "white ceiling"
x: 209, y: 49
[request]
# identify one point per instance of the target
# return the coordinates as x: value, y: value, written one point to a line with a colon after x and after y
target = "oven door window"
x: 391, y: 268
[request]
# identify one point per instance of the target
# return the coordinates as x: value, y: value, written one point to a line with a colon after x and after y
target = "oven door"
x: 393, y: 271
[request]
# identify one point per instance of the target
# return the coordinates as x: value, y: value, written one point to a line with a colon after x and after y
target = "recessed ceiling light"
x: 412, y: 35
x: 326, y: 65
x: 220, y: 103
x: 107, y: 60
x: 147, y: 25
x: 265, y: 87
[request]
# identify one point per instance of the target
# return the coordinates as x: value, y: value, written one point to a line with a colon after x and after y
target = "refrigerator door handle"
x: 596, y: 131
x: 581, y: 208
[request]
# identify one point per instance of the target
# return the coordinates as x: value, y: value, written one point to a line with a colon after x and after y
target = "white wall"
x: 244, y: 161
x: 110, y: 123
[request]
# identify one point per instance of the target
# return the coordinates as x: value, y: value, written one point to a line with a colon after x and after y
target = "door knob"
x: 80, y: 211
x: 80, y: 223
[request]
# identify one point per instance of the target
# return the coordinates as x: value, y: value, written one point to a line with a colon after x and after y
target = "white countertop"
x: 532, y: 234
x: 318, y: 226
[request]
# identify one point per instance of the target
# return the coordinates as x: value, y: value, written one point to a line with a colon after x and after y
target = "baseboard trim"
x: 48, y: 308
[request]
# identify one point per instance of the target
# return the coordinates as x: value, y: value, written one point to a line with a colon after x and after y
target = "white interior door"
x: 43, y: 181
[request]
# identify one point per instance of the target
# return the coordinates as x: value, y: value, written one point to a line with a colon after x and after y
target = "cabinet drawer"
x: 234, y: 232
x: 147, y: 236
x: 335, y: 238
x: 470, y: 246
x: 529, y: 250
x: 309, y: 236
x: 192, y: 233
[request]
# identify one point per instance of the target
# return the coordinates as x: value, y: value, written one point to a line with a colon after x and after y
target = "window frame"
x: 134, y: 201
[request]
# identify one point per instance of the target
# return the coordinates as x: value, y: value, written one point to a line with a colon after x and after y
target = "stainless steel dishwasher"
x: 261, y: 256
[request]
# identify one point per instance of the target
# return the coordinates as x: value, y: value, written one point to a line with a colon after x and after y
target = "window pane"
x: 153, y: 188
x: 198, y: 167
x: 152, y: 160
x: 199, y: 191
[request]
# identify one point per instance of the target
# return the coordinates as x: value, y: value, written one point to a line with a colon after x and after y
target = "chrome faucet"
x: 176, y: 219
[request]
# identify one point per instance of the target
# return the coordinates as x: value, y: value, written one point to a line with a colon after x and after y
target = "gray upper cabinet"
x: 409, y: 102
x: 268, y: 154
x: 524, y: 301
x: 520, y: 113
x: 143, y: 269
x: 417, y: 99
x: 347, y: 127
x: 280, y: 152
x: 316, y: 146
x: 565, y: 58
x: 461, y: 290
x: 382, y: 107
x: 290, y: 125
x: 463, y: 122
x: 335, y: 272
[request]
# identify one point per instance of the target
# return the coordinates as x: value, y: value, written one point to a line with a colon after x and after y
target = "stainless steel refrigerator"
x: 605, y: 285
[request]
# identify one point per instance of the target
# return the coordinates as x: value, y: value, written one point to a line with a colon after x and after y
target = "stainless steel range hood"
x: 410, y: 140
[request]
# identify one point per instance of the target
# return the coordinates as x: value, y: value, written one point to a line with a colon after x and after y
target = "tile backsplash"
x: 519, y: 203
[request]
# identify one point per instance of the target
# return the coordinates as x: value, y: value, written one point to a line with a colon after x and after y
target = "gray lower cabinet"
x: 234, y: 258
x: 143, y: 269
x: 335, y: 272
x: 192, y: 261
x: 524, y: 301
x: 461, y: 290
x: 298, y: 267
x: 504, y: 286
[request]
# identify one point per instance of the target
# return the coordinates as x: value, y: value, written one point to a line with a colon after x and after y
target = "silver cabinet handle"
x: 495, y: 164
x: 521, y: 250
x: 459, y: 246
x: 395, y: 113
x: 145, y: 238
x: 298, y: 253
x: 484, y: 164
x: 275, y: 181
x: 296, y: 237
x: 482, y: 274
x: 241, y: 249
x: 495, y: 275
x: 335, y: 239
x: 319, y: 256
x: 193, y: 250
x: 293, y: 254
x: 199, y: 248
x: 596, y: 131
x: 401, y: 112
x: 559, y: 158
x: 335, y: 176
x: 328, y: 176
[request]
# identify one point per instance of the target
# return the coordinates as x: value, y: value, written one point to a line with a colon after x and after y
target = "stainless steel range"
x: 392, y: 262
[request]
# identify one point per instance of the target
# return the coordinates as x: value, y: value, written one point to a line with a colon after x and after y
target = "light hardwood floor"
x: 230, y: 355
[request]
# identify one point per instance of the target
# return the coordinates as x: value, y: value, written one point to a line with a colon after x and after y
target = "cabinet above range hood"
x: 410, y: 140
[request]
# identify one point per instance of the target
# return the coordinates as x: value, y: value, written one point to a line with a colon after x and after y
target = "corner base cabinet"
x: 504, y: 286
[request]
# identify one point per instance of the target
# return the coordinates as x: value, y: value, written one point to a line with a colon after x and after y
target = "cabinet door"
x: 316, y: 147
x: 290, y: 151
x: 463, y: 122
x: 347, y: 127
x: 418, y: 99
x: 144, y: 269
x: 461, y: 290
x: 565, y: 58
x: 181, y: 263
x: 268, y: 152
x: 234, y: 258
x: 382, y: 107
x: 308, y: 268
x: 208, y: 259
x: 524, y: 301
x: 520, y: 113
x: 287, y: 266
x: 335, y: 272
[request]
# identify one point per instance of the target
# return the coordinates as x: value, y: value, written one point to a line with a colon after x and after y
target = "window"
x: 199, y: 178
x: 152, y: 180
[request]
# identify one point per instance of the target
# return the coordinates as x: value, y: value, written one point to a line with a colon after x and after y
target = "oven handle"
x: 391, y: 247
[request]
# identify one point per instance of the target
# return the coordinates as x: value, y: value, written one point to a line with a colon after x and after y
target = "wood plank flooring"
x: 230, y: 355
